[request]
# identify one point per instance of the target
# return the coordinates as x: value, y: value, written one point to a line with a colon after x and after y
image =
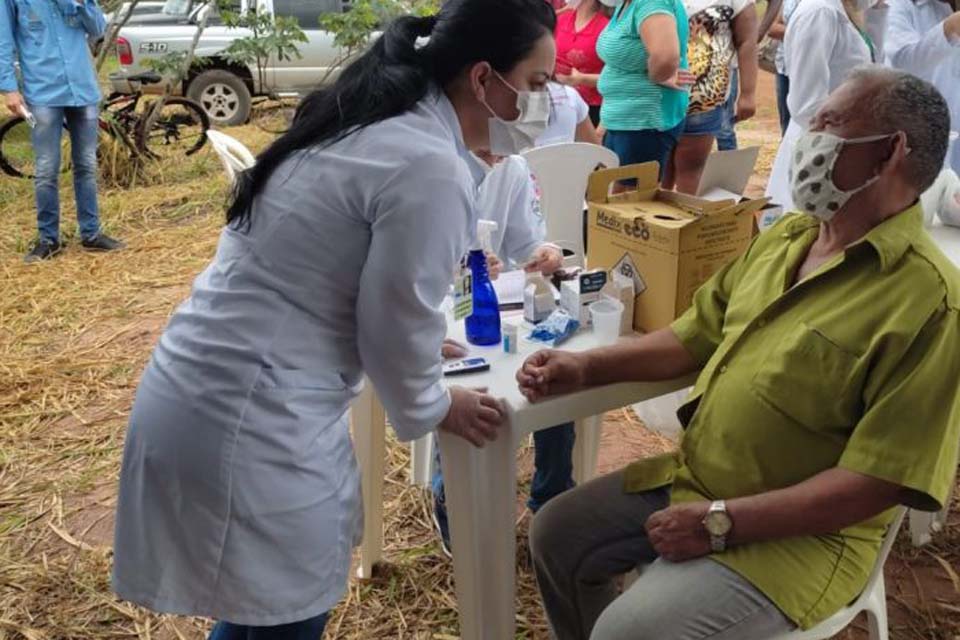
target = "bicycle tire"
x: 197, y: 112
x: 6, y: 164
x: 11, y: 166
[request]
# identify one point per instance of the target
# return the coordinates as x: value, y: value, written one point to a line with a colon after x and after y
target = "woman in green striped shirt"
x: 644, y: 81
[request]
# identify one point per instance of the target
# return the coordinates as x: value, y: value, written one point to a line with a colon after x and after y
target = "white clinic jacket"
x: 916, y: 43
x: 821, y: 48
x: 508, y: 196
x: 239, y: 494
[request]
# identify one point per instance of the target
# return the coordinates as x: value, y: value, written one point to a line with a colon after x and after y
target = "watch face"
x: 718, y: 523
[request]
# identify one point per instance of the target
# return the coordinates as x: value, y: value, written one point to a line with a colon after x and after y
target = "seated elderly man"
x: 828, y: 396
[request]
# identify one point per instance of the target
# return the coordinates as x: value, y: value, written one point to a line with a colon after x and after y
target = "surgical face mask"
x: 510, y: 137
x: 811, y: 173
x: 573, y: 4
x: 613, y: 4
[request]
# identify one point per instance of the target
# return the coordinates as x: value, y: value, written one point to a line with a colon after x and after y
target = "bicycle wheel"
x: 179, y: 129
x: 16, y: 150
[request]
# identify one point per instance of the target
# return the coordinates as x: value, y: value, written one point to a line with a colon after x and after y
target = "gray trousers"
x: 583, y: 540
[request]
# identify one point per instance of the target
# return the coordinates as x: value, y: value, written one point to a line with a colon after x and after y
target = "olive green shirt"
x: 857, y: 367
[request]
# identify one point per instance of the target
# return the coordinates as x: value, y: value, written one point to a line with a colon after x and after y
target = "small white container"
x: 606, y: 313
x: 511, y: 334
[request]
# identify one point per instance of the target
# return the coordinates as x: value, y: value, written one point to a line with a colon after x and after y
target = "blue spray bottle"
x: 483, y: 326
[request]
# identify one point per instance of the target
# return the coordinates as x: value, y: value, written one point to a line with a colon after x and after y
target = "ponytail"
x: 395, y: 73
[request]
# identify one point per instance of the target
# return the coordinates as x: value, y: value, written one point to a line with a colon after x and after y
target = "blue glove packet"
x: 555, y: 330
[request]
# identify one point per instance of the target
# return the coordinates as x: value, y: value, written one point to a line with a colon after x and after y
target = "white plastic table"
x: 481, y: 484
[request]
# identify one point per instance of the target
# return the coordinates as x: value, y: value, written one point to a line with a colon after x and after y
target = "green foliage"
x: 268, y: 37
x: 171, y: 64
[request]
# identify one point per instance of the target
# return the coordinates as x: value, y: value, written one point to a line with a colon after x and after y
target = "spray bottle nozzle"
x: 485, y: 229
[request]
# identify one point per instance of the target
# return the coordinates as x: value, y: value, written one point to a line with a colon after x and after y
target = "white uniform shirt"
x: 916, y: 43
x: 239, y: 493
x: 822, y: 47
x: 508, y: 196
x: 567, y: 110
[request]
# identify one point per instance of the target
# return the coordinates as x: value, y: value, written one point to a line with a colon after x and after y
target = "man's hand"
x: 550, y: 373
x: 452, y: 349
x: 546, y: 259
x: 14, y: 103
x: 494, y: 266
x: 473, y: 415
x: 677, y: 532
x: 746, y: 107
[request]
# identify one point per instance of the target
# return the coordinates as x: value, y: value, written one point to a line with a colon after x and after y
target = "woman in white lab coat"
x: 239, y: 494
x: 825, y: 41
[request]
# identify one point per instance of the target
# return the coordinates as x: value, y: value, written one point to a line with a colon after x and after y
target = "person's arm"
x: 8, y: 80
x: 586, y: 132
x: 778, y: 29
x: 659, y: 35
x: 826, y: 503
x: 420, y: 218
x: 578, y: 79
x: 809, y: 43
x: 903, y: 450
x: 91, y: 18
x: 745, y: 39
x: 915, y: 51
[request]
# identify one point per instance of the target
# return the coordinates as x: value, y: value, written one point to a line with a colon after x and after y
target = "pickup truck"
x: 225, y: 90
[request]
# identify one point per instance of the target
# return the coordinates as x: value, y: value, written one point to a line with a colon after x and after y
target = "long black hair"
x: 394, y: 74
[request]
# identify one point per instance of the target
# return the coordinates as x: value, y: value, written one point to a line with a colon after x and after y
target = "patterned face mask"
x: 811, y: 173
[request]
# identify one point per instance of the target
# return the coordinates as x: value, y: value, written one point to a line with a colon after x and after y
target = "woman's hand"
x: 546, y: 259
x: 451, y: 349
x: 682, y: 80
x: 746, y: 107
x: 550, y: 373
x: 573, y: 79
x: 677, y: 532
x: 494, y: 266
x: 473, y: 415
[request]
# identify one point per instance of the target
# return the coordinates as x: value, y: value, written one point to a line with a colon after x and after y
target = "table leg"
x: 585, y: 448
x: 369, y: 437
x: 481, y: 486
x: 421, y: 461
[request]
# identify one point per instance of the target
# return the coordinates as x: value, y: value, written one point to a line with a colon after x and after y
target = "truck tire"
x: 223, y: 95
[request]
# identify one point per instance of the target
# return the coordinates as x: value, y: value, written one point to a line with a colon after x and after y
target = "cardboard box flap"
x: 727, y: 173
x: 647, y: 176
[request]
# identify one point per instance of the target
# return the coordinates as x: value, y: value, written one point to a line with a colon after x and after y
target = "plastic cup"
x: 605, y: 314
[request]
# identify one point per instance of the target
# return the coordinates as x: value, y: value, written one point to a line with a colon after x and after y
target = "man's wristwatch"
x: 718, y: 524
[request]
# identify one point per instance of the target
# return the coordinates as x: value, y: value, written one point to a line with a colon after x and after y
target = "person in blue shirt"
x: 49, y: 40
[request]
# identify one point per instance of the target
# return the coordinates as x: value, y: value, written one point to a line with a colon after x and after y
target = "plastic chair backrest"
x: 888, y: 540
x: 562, y: 171
x: 234, y: 156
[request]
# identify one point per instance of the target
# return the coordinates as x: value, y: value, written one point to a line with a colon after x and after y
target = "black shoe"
x: 103, y: 242
x: 442, y: 526
x: 43, y: 250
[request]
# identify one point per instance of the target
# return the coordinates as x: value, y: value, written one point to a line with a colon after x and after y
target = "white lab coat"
x: 508, y: 196
x: 239, y: 494
x: 916, y: 43
x: 821, y: 47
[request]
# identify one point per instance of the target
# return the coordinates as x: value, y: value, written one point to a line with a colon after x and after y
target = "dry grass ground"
x: 74, y: 336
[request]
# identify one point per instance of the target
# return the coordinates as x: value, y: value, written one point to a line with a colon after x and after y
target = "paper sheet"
x: 509, y: 287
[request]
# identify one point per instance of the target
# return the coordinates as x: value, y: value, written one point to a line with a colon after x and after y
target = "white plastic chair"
x: 562, y: 171
x: 873, y: 600
x: 234, y: 156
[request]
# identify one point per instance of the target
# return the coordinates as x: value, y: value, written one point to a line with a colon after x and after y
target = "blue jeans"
x: 46, y: 136
x: 310, y: 629
x: 635, y: 147
x: 727, y: 138
x: 553, y: 466
x: 783, y: 90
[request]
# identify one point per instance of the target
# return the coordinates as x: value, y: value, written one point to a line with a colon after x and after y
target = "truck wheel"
x: 224, y: 96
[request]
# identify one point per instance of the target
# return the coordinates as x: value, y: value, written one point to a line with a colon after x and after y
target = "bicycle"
x: 180, y: 128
